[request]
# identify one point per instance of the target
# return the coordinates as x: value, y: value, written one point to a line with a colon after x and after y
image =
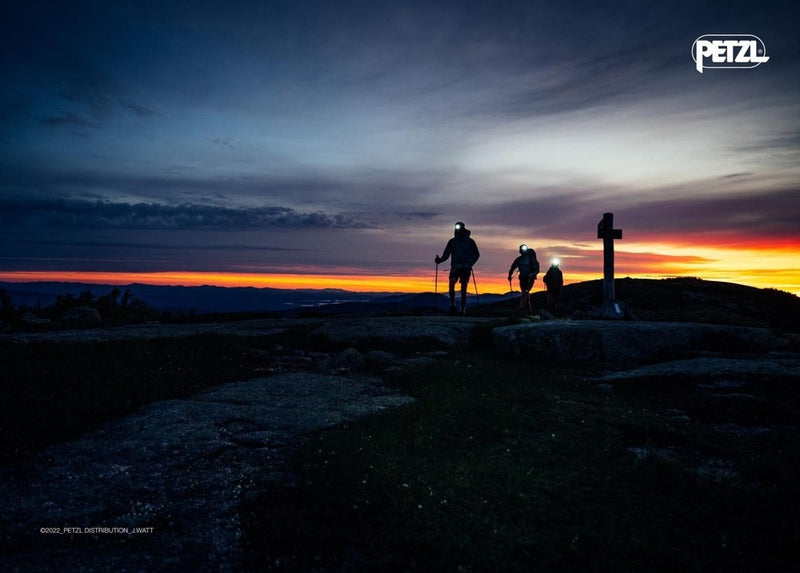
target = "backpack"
x: 528, y: 263
x: 463, y: 251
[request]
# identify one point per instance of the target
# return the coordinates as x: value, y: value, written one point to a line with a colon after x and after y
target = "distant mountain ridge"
x: 213, y: 299
x: 682, y: 299
x: 201, y: 299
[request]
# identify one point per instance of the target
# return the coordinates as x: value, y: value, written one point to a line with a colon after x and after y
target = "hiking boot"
x: 452, y: 310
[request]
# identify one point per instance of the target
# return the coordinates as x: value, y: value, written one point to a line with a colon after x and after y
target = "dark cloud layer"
x: 383, y: 190
x: 86, y: 215
x: 741, y: 217
x: 673, y: 212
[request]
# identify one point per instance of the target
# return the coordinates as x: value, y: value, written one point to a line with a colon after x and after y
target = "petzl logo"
x: 727, y: 51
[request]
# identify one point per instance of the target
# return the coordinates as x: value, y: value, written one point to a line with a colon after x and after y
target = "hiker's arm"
x: 514, y: 265
x: 446, y: 253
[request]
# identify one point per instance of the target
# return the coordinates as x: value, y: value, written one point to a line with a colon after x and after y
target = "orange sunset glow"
x: 354, y: 283
x: 757, y: 267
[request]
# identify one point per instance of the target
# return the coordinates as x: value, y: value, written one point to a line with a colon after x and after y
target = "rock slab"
x: 176, y: 469
x: 628, y: 342
x: 402, y: 331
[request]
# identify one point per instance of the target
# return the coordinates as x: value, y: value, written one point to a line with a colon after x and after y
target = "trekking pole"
x: 436, y: 288
x: 477, y: 298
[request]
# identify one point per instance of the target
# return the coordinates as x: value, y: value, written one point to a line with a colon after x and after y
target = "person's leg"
x: 525, y: 284
x: 525, y: 302
x: 525, y: 296
x: 452, y: 292
x: 465, y: 275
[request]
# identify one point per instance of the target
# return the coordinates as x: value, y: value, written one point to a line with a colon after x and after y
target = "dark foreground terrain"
x: 501, y: 467
x: 690, y: 462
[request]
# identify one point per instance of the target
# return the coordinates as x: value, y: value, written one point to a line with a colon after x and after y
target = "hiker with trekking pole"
x: 463, y: 253
x: 528, y: 267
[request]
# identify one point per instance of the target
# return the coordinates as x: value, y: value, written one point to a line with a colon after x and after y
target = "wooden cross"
x: 607, y: 232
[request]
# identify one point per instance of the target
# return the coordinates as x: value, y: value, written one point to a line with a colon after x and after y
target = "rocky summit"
x: 182, y: 466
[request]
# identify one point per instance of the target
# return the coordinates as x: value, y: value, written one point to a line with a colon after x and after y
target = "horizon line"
x: 351, y: 283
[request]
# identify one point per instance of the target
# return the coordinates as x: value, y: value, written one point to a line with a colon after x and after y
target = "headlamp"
x: 555, y: 262
x: 523, y: 248
x: 458, y: 226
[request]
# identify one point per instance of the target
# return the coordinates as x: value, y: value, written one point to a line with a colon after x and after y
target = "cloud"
x: 153, y: 216
x: 137, y: 109
x: 227, y: 142
x: 680, y: 213
x: 382, y: 192
x: 66, y: 89
x: 139, y: 246
x: 555, y: 211
x: 68, y: 118
x: 736, y: 218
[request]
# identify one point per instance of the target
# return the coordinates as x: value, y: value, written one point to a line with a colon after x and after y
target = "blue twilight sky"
x: 346, y: 137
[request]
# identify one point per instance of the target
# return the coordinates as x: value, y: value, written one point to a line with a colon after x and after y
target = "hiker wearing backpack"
x: 464, y: 252
x: 528, y: 267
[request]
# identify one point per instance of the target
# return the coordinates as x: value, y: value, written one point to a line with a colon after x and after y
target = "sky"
x: 334, y: 144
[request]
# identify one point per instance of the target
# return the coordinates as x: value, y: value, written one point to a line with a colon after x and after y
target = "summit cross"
x: 607, y: 232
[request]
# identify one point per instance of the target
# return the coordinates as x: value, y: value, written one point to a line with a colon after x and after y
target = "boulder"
x: 626, y: 342
x: 379, y: 359
x: 81, y: 316
x: 391, y: 333
x: 30, y: 318
x: 716, y: 372
x: 348, y: 359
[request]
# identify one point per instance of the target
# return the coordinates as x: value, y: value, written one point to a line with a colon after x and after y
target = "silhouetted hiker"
x: 528, y: 267
x: 553, y: 280
x: 465, y: 254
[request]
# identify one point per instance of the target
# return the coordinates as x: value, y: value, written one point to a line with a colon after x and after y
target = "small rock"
x: 741, y: 430
x: 678, y: 414
x: 436, y: 354
x: 81, y: 316
x: 546, y: 314
x: 30, y: 318
x: 348, y: 359
x: 321, y: 360
x: 380, y: 359
x: 419, y: 361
